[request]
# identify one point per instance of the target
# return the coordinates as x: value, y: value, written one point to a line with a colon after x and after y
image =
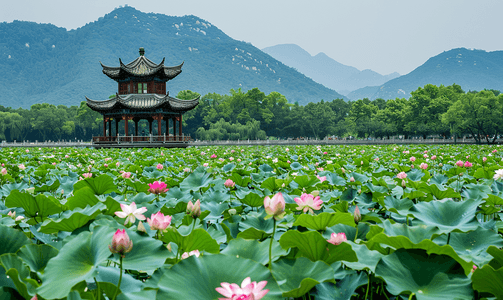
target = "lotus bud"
x: 403, y: 183
x: 194, y: 210
x: 121, y: 244
x: 357, y: 215
x: 141, y: 227
x: 12, y: 214
x: 229, y: 183
x: 232, y: 211
x: 352, y: 179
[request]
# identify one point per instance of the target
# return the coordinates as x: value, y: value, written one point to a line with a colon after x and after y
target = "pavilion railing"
x: 141, y: 139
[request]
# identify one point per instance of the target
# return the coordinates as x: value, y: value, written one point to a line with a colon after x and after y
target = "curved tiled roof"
x: 142, y: 67
x: 143, y: 102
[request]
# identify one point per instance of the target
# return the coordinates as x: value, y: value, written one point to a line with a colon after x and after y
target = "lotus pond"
x: 340, y: 222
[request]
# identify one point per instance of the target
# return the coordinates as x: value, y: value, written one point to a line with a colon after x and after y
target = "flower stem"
x: 98, y: 294
x: 193, y: 225
x: 270, y: 245
x: 356, y: 235
x: 368, y: 285
x: 448, y: 238
x: 410, y: 297
x: 120, y: 279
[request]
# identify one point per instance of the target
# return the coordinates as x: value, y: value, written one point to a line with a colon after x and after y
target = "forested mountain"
x: 42, y: 63
x: 471, y: 69
x: 326, y: 70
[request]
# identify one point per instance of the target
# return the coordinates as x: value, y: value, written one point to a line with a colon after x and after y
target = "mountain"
x: 325, y: 70
x: 44, y: 63
x: 471, y: 69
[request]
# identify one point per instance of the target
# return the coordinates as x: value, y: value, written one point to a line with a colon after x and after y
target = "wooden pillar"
x: 180, y: 128
x: 158, y: 118
x: 126, y: 119
x: 109, y: 127
x: 136, y: 126
x: 116, y: 126
x: 174, y: 128
x: 105, y: 119
x: 150, y: 126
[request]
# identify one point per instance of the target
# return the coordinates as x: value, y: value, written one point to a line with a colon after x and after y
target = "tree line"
x: 441, y: 111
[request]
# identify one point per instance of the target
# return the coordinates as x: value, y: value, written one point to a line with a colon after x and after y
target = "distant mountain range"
x: 471, y: 69
x: 44, y: 63
x: 326, y: 70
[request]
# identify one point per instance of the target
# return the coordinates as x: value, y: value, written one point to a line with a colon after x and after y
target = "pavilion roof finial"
x: 142, y: 51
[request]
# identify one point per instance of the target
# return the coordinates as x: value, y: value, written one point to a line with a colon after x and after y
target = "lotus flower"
x: 193, y: 252
x: 229, y: 183
x: 401, y: 175
x: 159, y: 167
x: 308, y: 202
x: 274, y: 207
x: 194, y: 210
x: 248, y: 290
x: 213, y: 156
x: 468, y: 164
x: 357, y: 215
x: 352, y: 179
x: 484, y: 159
x: 4, y: 171
x: 423, y: 166
x: 158, y: 187
x: 21, y: 166
x: 159, y: 221
x: 121, y: 243
x: 130, y: 212
x: 126, y: 175
x: 321, y: 178
x: 499, y: 174
x: 433, y: 157
x: 460, y: 163
x: 337, y: 238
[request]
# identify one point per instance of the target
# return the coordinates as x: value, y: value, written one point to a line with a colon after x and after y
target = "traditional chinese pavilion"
x: 142, y: 95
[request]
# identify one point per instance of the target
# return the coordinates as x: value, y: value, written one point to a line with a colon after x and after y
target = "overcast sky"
x: 382, y: 35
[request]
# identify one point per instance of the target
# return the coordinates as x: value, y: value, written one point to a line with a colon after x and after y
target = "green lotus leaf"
x: 306, y: 181
x: 6, y: 189
x: 367, y: 259
x: 241, y: 180
x: 448, y: 215
x: 197, y: 239
x: 72, y: 219
x: 272, y: 184
x: 228, y: 167
x: 141, y: 295
x: 295, y: 166
x: 439, y: 191
x: 404, y: 242
x: 82, y: 198
x: 349, y: 194
x: 11, y: 240
x: 253, y: 200
x: 254, y: 250
x: 313, y: 245
x: 48, y: 187
x: 102, y: 184
x: 472, y: 246
x: 400, y: 206
x: 324, y: 220
x: 427, y: 276
x: 37, y: 256
x: 335, y: 179
x: 196, y: 181
x: 415, y: 175
x: 19, y: 273
x: 257, y: 221
x: 299, y: 276
x: 497, y: 255
x: 179, y: 208
x: 490, y: 203
x: 343, y: 290
x: 172, y: 282
x: 138, y: 186
x: 489, y: 280
x: 38, y: 208
x: 76, y: 261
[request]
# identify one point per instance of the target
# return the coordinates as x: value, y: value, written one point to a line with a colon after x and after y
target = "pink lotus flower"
x: 352, y: 179
x: 66, y: 156
x: 232, y: 151
x: 193, y: 252
x: 376, y: 159
x: 459, y: 163
x: 213, y: 156
x: 494, y: 151
x: 412, y: 159
x: 229, y: 183
x: 205, y: 165
x: 248, y: 290
x: 308, y: 202
x: 87, y: 175
x: 186, y: 170
x: 12, y: 214
x: 117, y: 164
x: 274, y: 207
x: 484, y: 159
x: 433, y: 157
x: 159, y: 167
x: 53, y: 163
x: 468, y: 164
x: 321, y: 178
x: 423, y: 166
x: 357, y: 215
x: 158, y: 187
x: 105, y: 165
x: 401, y: 175
x: 474, y: 268
x: 121, y: 243
x: 126, y: 175
x: 425, y: 155
x: 21, y: 167
x: 130, y: 212
x: 325, y: 152
x: 159, y: 221
x: 27, y: 150
x: 194, y: 210
x: 337, y: 238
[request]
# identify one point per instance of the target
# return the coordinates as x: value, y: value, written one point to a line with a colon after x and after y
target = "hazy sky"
x: 385, y: 36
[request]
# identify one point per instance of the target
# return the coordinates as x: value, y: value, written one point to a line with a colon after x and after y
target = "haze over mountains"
x: 326, y: 70
x: 44, y: 63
